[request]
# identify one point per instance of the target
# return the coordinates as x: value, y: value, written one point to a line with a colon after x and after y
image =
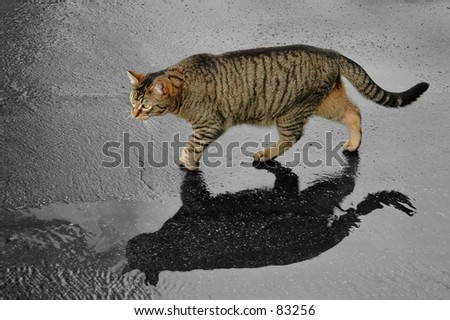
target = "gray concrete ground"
x: 71, y: 228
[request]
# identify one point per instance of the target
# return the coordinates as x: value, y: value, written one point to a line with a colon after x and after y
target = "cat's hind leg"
x: 353, y: 122
x: 338, y: 107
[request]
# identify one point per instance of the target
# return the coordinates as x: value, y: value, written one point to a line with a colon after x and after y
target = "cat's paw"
x: 261, y: 156
x: 187, y: 161
x: 189, y: 166
x: 350, y: 146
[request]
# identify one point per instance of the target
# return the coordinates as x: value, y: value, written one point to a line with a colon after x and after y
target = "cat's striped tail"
x: 361, y: 80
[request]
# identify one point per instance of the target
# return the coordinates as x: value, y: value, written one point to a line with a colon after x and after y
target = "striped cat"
x: 280, y: 86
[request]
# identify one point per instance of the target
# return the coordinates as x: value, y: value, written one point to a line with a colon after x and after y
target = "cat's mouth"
x: 138, y: 114
x: 141, y: 116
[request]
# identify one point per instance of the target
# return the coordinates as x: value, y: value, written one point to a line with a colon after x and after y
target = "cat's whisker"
x: 129, y: 118
x: 152, y: 125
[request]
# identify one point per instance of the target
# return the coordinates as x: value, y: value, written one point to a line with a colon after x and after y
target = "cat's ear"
x: 135, y: 77
x: 163, y: 87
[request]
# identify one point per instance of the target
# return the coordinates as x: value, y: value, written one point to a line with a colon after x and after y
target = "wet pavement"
x: 372, y: 226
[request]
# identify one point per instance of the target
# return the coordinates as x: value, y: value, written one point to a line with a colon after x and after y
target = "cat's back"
x: 286, y: 51
x: 292, y: 54
x: 253, y: 85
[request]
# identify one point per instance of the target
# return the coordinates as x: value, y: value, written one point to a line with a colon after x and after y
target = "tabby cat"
x: 280, y: 86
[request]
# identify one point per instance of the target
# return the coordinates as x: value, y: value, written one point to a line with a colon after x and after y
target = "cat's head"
x: 151, y: 95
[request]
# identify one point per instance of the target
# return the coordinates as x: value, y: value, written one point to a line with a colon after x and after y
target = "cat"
x: 281, y: 86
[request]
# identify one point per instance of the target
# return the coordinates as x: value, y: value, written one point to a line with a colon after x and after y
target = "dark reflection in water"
x: 258, y: 227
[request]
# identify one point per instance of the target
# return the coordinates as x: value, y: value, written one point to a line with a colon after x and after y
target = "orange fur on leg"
x: 338, y: 107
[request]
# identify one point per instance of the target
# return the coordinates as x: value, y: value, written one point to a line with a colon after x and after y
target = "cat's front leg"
x: 289, y: 131
x: 198, y: 141
x: 188, y: 158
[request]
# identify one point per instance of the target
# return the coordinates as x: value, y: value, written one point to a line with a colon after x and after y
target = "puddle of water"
x: 259, y: 227
x: 77, y: 250
x: 105, y: 243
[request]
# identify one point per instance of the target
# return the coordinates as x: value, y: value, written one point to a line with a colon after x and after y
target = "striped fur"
x: 281, y: 86
x: 361, y: 80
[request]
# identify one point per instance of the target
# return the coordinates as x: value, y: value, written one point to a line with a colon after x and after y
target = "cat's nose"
x: 136, y: 112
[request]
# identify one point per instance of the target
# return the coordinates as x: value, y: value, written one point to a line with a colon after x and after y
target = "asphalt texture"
x: 315, y: 224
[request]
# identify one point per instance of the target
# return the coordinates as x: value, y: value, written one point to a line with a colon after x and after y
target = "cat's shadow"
x: 257, y: 227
